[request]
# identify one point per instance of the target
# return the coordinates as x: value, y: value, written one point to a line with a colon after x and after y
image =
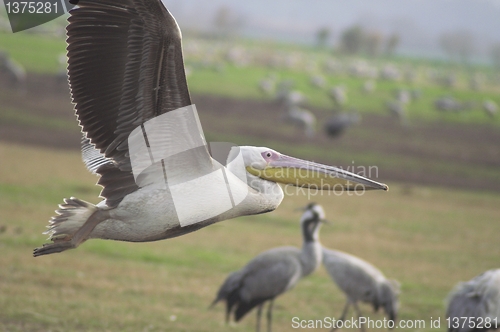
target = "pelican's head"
x: 273, y: 166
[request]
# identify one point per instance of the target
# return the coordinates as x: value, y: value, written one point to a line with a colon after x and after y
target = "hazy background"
x: 398, y: 89
x: 420, y: 23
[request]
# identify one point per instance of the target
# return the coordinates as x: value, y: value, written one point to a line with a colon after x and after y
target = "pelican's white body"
x: 130, y: 102
x: 135, y: 219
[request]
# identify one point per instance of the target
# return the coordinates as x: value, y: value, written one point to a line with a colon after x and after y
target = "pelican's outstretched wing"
x: 125, y: 67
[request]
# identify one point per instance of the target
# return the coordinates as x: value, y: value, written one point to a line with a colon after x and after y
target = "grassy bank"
x: 427, y: 238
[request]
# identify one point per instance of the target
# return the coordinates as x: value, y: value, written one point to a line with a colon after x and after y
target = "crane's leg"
x: 342, y: 317
x: 269, y: 315
x: 356, y: 307
x: 259, y: 314
x: 228, y: 313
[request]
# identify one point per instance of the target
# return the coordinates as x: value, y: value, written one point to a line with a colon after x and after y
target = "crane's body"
x: 360, y: 281
x: 477, y: 299
x: 273, y: 272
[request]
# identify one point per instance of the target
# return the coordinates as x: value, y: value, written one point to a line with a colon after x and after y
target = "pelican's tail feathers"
x: 71, y: 216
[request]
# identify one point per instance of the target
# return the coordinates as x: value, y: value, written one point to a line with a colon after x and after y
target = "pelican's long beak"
x: 302, y: 173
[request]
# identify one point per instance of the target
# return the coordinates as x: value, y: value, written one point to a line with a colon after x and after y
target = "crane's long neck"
x: 311, y: 255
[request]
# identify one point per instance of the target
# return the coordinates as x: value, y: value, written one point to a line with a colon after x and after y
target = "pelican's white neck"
x: 268, y: 193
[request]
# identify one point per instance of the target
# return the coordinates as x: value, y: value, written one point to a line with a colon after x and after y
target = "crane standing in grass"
x: 292, y: 100
x: 478, y: 300
x: 490, y: 107
x: 273, y: 272
x: 361, y: 281
x: 398, y: 110
x: 14, y: 72
x: 301, y: 118
x: 336, y: 125
x: 339, y: 96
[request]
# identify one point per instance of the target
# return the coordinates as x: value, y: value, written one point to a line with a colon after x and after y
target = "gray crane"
x: 368, y: 86
x: 267, y: 85
x: 318, y: 81
x: 337, y: 124
x: 291, y: 101
x: 447, y: 104
x: 490, y: 107
x: 14, y: 72
x: 452, y: 105
x: 477, y: 299
x: 273, y: 272
x: 339, y: 95
x: 398, y: 109
x: 361, y: 281
x: 302, y: 119
x: 403, y: 96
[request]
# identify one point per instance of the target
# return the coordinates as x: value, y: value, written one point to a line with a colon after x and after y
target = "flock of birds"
x: 216, y: 55
x: 293, y: 103
x: 143, y: 80
x: 278, y: 270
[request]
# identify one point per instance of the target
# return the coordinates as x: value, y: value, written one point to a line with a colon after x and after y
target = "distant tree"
x: 322, y: 36
x: 352, y: 40
x: 458, y: 45
x: 226, y: 22
x: 391, y: 44
x: 495, y: 55
x: 373, y: 41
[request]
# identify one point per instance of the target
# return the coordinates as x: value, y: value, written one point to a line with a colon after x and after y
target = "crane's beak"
x: 303, y: 173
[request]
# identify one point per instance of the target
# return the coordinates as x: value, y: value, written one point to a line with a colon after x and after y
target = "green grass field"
x: 36, y: 53
x: 242, y: 82
x: 427, y: 238
x: 40, y: 54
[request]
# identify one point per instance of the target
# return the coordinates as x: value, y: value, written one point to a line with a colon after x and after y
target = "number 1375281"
x: 472, y: 322
x: 31, y: 7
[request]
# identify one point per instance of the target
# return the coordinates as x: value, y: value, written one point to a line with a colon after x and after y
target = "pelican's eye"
x: 269, y: 155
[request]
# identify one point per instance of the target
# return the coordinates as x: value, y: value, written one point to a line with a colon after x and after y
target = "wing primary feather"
x: 125, y: 67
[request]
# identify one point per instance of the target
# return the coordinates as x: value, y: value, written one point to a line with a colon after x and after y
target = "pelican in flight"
x: 142, y: 136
